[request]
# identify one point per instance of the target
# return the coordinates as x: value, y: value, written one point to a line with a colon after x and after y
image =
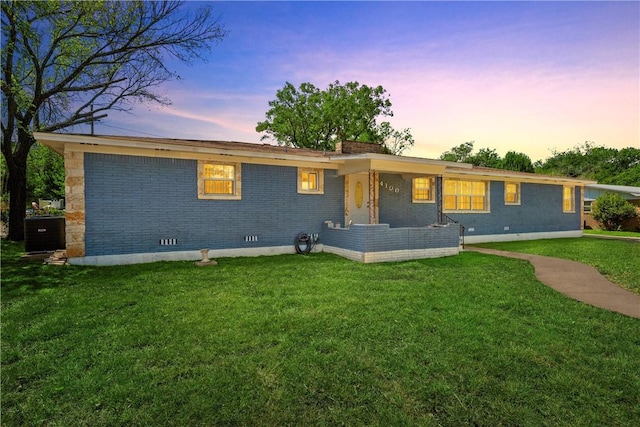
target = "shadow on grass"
x: 23, y: 276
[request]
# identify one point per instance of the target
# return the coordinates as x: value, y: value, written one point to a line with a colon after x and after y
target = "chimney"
x: 358, y: 147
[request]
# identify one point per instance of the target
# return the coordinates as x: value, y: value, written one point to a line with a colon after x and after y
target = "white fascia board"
x: 354, y: 163
x: 341, y: 158
x: 55, y: 139
x: 499, y: 176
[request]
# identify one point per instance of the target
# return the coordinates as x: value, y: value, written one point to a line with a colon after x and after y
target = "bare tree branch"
x: 60, y: 58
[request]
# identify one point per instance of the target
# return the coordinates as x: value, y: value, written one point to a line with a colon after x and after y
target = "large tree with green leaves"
x: 599, y: 163
x: 45, y: 173
x: 66, y: 63
x: 312, y: 118
x: 517, y: 162
x: 588, y: 160
x: 460, y: 153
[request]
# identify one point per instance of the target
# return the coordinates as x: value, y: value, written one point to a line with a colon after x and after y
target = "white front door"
x: 358, y: 199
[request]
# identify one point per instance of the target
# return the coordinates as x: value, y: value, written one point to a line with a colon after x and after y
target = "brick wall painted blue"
x: 396, y: 208
x: 380, y: 237
x: 540, y: 211
x: 132, y: 202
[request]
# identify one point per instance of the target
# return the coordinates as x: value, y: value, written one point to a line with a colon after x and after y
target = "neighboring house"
x: 131, y: 199
x: 593, y: 191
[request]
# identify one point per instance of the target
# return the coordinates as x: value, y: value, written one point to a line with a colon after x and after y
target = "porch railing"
x: 449, y: 220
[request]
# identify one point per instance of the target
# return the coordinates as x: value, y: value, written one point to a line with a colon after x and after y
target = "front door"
x: 358, y: 199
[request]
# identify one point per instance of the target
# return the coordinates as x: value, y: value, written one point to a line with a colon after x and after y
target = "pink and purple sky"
x: 526, y: 76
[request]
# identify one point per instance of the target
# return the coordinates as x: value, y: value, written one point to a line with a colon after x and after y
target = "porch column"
x: 439, y: 198
x: 373, y: 197
x: 582, y: 207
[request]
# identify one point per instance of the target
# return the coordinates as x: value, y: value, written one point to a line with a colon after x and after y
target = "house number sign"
x: 390, y: 187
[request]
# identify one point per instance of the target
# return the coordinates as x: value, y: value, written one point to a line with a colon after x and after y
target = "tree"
x: 461, y: 153
x: 312, y: 118
x: 65, y: 62
x: 605, y: 165
x: 45, y: 173
x: 623, y: 168
x: 630, y: 177
x: 611, y: 210
x: 297, y: 119
x: 394, y: 141
x: 354, y: 108
x: 517, y: 162
x: 487, y: 158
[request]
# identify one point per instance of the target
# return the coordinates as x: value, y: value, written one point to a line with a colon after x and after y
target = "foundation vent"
x: 168, y: 242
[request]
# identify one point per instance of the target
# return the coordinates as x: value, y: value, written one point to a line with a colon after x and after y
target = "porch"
x: 379, y: 242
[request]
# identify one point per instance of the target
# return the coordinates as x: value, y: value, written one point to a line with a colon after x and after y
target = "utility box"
x: 44, y: 233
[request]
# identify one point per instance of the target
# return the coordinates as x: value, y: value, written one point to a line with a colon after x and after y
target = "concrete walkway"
x: 578, y: 281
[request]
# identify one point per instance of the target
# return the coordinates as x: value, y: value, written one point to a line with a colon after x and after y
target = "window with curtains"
x: 219, y: 180
x: 465, y: 195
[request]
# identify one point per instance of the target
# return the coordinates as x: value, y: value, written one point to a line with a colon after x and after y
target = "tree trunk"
x: 17, y: 166
x: 18, y: 198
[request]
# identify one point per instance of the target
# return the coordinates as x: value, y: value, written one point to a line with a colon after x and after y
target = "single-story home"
x: 631, y: 194
x: 593, y: 191
x: 133, y: 199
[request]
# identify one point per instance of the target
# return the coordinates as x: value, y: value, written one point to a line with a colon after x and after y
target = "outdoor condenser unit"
x: 44, y: 233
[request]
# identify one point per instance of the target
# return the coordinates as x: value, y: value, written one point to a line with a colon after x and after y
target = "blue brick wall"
x: 380, y: 237
x: 540, y: 211
x: 133, y: 202
x: 396, y: 208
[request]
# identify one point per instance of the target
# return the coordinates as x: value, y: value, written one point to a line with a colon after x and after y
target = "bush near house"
x: 611, y: 210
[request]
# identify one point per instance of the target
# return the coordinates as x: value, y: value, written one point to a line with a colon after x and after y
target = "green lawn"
x: 469, y: 340
x: 617, y: 260
x: 613, y: 233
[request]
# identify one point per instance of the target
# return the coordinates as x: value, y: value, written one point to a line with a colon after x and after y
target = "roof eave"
x: 502, y: 175
x: 57, y: 141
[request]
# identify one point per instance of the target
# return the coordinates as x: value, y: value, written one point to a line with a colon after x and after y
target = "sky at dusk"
x: 525, y: 76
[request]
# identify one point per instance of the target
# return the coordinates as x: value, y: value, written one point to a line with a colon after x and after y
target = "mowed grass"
x: 469, y: 340
x: 618, y: 260
x: 613, y: 233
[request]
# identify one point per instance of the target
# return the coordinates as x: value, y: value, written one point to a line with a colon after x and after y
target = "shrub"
x: 611, y: 210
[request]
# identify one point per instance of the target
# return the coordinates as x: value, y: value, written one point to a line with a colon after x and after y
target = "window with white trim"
x: 511, y: 193
x: 219, y: 181
x: 568, y: 199
x: 422, y: 190
x: 310, y: 181
x: 465, y: 196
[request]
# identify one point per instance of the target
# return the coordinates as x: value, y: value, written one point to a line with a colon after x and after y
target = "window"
x: 568, y: 199
x: 511, y: 193
x: 423, y: 190
x: 219, y: 180
x: 310, y: 181
x: 460, y: 195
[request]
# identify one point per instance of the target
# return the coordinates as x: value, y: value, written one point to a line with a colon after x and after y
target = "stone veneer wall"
x: 75, y: 213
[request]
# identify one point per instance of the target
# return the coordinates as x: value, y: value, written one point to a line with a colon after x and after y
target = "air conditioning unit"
x: 44, y: 233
